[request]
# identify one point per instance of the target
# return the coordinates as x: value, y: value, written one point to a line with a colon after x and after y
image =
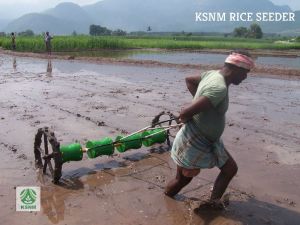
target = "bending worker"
x: 198, y: 144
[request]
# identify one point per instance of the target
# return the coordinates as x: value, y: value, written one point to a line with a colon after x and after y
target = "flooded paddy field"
x: 82, y: 100
x: 263, y: 58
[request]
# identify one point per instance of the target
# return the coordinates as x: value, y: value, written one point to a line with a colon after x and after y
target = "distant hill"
x: 38, y: 23
x: 176, y: 15
x: 63, y: 19
x: 132, y: 15
x: 160, y: 15
x: 69, y: 12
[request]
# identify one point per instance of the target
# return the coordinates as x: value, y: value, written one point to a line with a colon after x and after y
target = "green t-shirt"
x: 211, y: 123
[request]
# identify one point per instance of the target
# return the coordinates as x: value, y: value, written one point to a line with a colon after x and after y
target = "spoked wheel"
x: 166, y: 119
x: 47, y: 157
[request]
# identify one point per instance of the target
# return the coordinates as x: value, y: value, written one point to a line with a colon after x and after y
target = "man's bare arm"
x: 201, y: 104
x: 192, y: 83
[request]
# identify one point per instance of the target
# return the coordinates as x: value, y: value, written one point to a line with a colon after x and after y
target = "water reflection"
x: 178, y: 213
x: 49, y: 68
x: 53, y: 198
x: 14, y: 64
x: 53, y: 204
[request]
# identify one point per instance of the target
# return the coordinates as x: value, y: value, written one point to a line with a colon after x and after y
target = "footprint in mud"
x: 88, y: 95
x: 101, y: 123
x: 143, y: 90
x: 13, y: 106
x: 122, y: 108
x: 160, y: 179
x: 118, y: 91
x: 22, y: 156
x: 102, y: 107
x: 12, y: 148
x: 287, y: 202
x: 122, y: 131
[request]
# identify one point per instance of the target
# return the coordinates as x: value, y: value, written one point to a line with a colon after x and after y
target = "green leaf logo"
x: 28, y: 196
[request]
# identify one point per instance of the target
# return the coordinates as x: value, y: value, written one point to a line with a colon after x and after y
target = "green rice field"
x: 81, y: 43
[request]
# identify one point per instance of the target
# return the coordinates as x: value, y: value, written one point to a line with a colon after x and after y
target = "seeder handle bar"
x: 118, y: 142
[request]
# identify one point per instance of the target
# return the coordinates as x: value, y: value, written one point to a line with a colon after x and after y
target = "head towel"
x: 240, y: 60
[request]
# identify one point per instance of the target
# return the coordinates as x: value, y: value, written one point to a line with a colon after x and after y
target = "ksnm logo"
x: 28, y: 196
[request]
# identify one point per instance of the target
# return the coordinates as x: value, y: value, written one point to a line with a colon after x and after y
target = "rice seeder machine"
x: 52, y: 155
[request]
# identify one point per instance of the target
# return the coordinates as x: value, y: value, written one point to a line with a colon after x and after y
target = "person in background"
x: 48, y: 38
x: 198, y: 144
x: 13, y: 41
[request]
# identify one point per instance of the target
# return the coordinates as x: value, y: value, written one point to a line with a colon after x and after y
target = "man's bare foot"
x: 216, y: 205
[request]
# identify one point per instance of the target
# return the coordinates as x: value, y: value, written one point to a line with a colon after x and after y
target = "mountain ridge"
x: 131, y: 15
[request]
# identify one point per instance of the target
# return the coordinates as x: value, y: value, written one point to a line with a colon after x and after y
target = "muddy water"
x: 82, y: 101
x: 193, y: 58
x: 209, y: 58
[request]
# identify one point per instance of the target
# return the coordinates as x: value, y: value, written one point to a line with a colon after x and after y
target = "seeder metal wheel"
x: 166, y: 119
x: 44, y: 156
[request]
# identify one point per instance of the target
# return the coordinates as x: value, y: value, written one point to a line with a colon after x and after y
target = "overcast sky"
x: 16, y: 8
x: 294, y: 4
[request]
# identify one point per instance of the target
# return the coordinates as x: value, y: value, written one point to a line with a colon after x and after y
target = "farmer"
x: 198, y: 144
x: 13, y: 41
x: 48, y: 38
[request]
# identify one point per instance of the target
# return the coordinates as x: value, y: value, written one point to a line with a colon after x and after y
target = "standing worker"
x: 48, y: 38
x: 13, y: 41
x: 198, y: 144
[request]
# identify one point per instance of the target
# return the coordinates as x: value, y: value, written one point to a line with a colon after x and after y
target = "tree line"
x: 254, y: 31
x: 26, y: 33
x: 97, y: 30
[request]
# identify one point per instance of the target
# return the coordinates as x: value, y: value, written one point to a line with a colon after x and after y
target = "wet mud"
x: 82, y: 100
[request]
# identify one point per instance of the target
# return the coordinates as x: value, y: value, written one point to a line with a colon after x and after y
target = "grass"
x: 82, y: 43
